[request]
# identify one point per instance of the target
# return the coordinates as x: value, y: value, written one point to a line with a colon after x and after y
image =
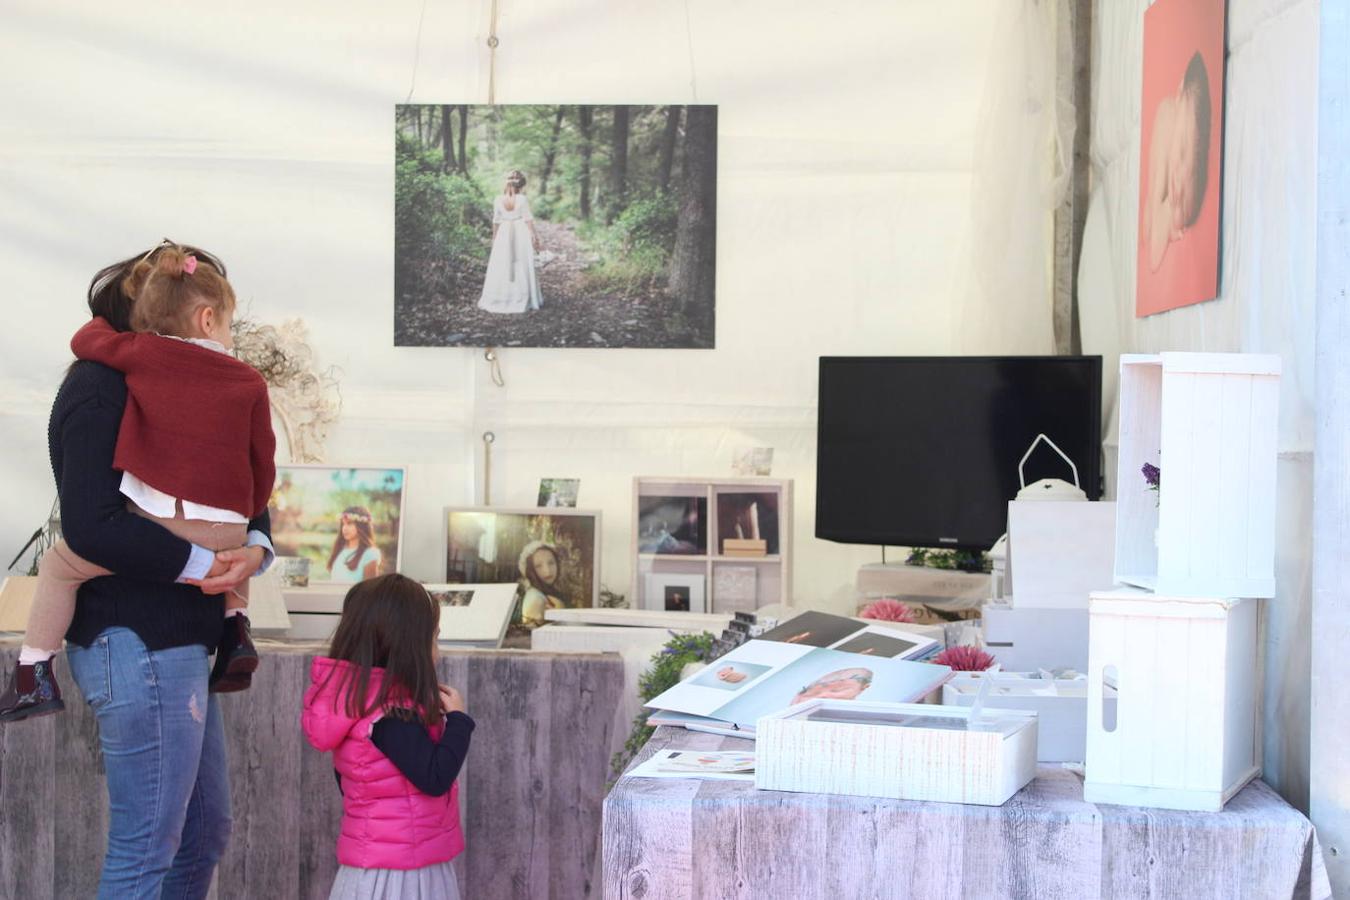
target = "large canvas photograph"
x: 555, y: 226
x: 1180, y: 155
x: 552, y: 556
x: 346, y: 521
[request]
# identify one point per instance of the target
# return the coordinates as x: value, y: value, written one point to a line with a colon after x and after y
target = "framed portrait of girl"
x: 346, y: 520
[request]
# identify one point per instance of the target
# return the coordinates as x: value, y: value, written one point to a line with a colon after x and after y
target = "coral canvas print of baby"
x: 555, y: 226
x: 1180, y: 155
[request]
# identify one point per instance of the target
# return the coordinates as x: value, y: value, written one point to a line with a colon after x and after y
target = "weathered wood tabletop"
x: 531, y: 791
x: 686, y: 838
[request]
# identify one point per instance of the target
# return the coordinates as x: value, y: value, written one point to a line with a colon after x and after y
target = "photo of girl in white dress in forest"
x: 511, y: 284
x: 555, y: 226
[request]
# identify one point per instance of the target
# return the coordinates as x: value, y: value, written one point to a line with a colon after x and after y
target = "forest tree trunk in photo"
x: 447, y: 140
x: 552, y: 153
x: 667, y: 164
x: 584, y: 114
x: 463, y: 134
x: 692, y: 271
x: 618, y: 166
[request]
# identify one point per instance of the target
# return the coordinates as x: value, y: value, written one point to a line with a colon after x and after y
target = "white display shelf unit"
x: 1209, y: 422
x: 1187, y: 672
x: 772, y: 572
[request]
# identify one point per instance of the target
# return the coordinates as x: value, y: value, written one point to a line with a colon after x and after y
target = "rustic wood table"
x: 685, y: 838
x: 531, y: 791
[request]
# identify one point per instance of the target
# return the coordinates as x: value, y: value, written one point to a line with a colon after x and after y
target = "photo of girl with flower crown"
x: 346, y: 521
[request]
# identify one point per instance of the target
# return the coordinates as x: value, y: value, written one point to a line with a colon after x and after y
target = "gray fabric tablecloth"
x: 681, y: 838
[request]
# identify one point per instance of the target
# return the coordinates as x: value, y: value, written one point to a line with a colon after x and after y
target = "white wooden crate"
x: 1209, y: 422
x: 903, y: 751
x: 1060, y: 705
x: 1187, y: 673
x: 1059, y: 552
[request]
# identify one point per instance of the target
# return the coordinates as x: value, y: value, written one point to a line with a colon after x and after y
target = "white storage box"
x: 903, y: 751
x: 1188, y: 676
x: 1208, y: 421
x: 1060, y: 705
x: 1028, y: 639
x: 1059, y: 551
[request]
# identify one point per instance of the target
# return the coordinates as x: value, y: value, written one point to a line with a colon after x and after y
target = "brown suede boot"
x: 32, y: 691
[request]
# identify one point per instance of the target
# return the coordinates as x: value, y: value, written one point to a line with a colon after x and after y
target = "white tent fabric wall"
x: 1267, y: 298
x: 844, y: 203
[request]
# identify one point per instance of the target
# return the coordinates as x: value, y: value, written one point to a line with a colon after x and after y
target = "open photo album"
x: 863, y: 636
x: 763, y: 677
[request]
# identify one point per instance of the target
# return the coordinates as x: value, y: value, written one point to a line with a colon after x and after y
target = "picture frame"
x: 312, y: 504
x: 676, y: 592
x: 673, y: 525
x: 474, y: 615
x: 555, y: 493
x: 748, y: 515
x: 487, y: 545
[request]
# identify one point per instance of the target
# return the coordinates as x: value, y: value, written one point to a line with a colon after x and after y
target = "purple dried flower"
x: 1152, y: 475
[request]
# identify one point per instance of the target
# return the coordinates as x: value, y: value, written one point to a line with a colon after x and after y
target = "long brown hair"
x: 365, y: 536
x: 389, y: 623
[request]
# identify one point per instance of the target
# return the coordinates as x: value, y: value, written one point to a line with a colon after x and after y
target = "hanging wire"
x: 488, y: 439
x: 494, y: 366
x: 417, y: 51
x: 492, y: 43
x: 689, y: 37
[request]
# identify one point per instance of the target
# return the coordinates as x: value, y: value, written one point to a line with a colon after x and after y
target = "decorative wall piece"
x: 553, y: 556
x: 555, y: 226
x: 347, y: 521
x: 1180, y: 155
x: 305, y: 401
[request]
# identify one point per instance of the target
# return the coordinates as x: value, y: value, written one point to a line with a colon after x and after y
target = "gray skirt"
x: 435, y: 882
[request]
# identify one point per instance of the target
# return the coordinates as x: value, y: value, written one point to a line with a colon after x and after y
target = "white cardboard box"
x: 1029, y: 639
x: 1187, y: 672
x: 902, y: 751
x: 1060, y: 704
x: 1208, y: 421
x: 1059, y: 551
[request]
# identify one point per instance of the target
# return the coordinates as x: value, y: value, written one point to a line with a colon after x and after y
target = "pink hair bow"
x: 189, y: 265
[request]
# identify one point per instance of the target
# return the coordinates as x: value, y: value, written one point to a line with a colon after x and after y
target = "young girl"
x: 195, y: 448
x: 398, y: 741
x: 355, y: 556
x: 511, y: 284
x: 540, y: 569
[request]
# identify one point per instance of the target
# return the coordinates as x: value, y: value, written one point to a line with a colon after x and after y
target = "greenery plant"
x: 666, y: 665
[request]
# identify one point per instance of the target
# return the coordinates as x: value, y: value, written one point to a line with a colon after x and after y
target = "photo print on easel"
x: 555, y: 226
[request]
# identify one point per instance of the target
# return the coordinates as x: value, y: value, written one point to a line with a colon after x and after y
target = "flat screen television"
x: 921, y: 451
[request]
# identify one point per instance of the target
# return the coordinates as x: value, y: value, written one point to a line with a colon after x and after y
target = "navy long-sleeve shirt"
x: 431, y: 766
x: 142, y: 596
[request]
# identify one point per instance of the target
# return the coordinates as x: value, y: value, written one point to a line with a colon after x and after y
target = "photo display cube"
x: 1060, y: 705
x: 1208, y: 421
x: 1187, y: 674
x: 902, y: 751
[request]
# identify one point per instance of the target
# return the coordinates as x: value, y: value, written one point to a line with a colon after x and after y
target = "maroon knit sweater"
x: 197, y: 423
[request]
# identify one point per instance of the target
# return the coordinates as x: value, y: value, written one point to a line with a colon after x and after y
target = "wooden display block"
x: 1187, y: 674
x: 902, y: 751
x: 1209, y: 422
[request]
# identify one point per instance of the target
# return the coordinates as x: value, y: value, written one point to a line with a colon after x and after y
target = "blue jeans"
x: 164, y: 751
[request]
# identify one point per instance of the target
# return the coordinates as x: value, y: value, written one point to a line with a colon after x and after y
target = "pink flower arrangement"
x: 965, y: 659
x: 887, y: 610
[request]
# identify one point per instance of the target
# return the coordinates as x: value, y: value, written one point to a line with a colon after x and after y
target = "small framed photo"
x: 675, y: 592
x: 474, y: 614
x: 552, y: 556
x: 559, y: 492
x: 748, y: 516
x: 673, y: 525
x: 347, y: 521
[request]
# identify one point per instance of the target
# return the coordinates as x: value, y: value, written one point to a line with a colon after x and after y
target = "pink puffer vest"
x: 386, y: 822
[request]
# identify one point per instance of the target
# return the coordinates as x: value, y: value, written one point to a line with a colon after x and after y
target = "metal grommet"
x: 489, y: 437
x: 492, y: 41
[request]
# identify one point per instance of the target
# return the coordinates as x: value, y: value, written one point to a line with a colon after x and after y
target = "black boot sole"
x: 230, y: 684
x: 46, y: 708
x: 242, y: 664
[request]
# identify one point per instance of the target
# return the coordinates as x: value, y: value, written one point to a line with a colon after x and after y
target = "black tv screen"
x: 923, y: 451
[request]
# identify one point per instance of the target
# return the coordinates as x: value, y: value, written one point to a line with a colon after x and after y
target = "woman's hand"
x: 240, y: 564
x: 451, y: 701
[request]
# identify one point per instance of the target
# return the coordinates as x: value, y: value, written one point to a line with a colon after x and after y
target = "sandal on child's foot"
x: 32, y: 691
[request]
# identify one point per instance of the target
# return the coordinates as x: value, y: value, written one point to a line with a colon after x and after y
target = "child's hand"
x: 451, y: 701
